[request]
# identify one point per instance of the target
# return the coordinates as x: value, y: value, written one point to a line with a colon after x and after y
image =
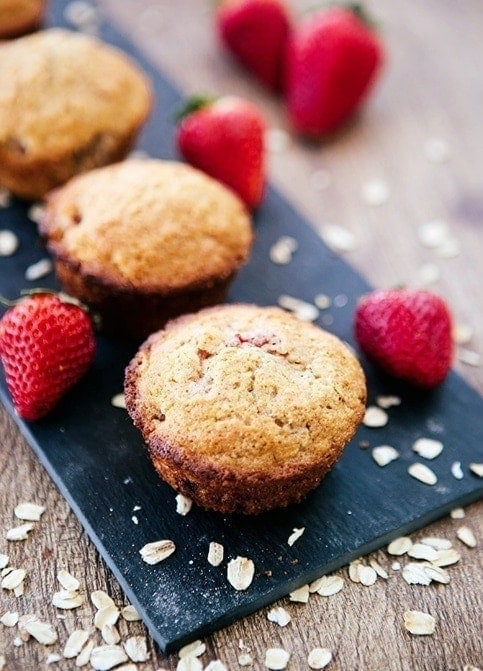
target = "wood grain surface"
x: 431, y: 88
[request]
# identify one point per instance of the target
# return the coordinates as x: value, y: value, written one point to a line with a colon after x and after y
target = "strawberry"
x: 332, y: 61
x: 256, y: 32
x: 46, y: 345
x: 225, y: 139
x: 407, y: 333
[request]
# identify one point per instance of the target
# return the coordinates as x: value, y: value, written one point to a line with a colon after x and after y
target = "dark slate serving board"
x: 97, y: 460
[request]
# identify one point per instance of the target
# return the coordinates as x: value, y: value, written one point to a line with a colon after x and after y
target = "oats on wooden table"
x: 75, y: 643
x: 43, y: 632
x: 245, y: 659
x: 68, y: 581
x: 100, y: 599
x: 13, y: 578
x: 436, y: 543
x: 136, y: 648
x: 367, y: 575
x: 215, y: 553
x: 399, y: 546
x: 53, y: 658
x: 279, y: 615
x: 240, y: 572
x: 183, y: 504
x: 354, y: 570
x: 4, y: 559
x: 422, y: 473
x: 85, y: 654
x: 387, y: 402
x: 328, y: 585
x: 300, y: 595
x: 276, y: 659
x: 194, y: 649
x: 153, y: 553
x: 106, y: 615
x: 428, y: 447
x: 130, y: 614
x: 295, y: 535
x: 382, y: 573
x: 105, y: 657
x: 384, y: 454
x: 415, y: 574
x: 30, y: 512
x: 67, y: 599
x: 466, y: 536
x: 375, y: 417
x: 422, y: 551
x: 437, y: 573
x: 418, y: 623
x: 9, y: 619
x: 19, y: 533
x: 469, y: 667
x: 189, y: 664
x: 110, y: 634
x: 319, y: 658
x: 447, y: 557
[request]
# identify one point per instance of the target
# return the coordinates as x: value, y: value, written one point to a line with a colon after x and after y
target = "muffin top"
x: 245, y: 388
x: 60, y: 90
x: 150, y: 224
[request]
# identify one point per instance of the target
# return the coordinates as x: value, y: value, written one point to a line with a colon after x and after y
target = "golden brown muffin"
x: 68, y: 103
x: 146, y: 240
x: 18, y: 17
x: 244, y: 408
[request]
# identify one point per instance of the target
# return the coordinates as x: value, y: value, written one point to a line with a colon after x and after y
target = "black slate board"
x: 97, y: 460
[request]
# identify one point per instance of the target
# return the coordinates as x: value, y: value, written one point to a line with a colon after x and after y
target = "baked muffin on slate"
x: 18, y: 17
x: 146, y: 240
x: 244, y: 408
x: 68, y: 103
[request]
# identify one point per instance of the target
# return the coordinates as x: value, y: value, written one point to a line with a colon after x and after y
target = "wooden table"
x: 432, y: 88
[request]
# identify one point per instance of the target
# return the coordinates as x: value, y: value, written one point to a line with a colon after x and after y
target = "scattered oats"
x: 22, y: 621
x: 456, y: 470
x: 105, y: 657
x: 29, y: 511
x: 43, y: 632
x: 100, y: 599
x: 428, y: 273
x: 384, y: 454
x: 9, y: 619
x: 38, y: 270
x: 194, y: 649
x: 382, y: 573
x: 67, y: 599
x: 136, y: 508
x: 320, y: 180
x: 3, y: 661
x: 4, y: 559
x: 153, y: 553
x: 240, y: 572
x: 135, y: 519
x: 477, y: 469
x: 447, y: 557
x: 19, y: 590
x: 279, y: 615
x: 67, y: 580
x: 339, y: 239
x: 354, y: 570
x: 319, y: 658
x: 437, y: 573
x: 419, y: 623
x: 6, y: 571
x: 304, y: 311
x: 322, y: 301
x: 300, y: 595
x: 13, y: 579
x: 469, y: 667
x: 367, y: 575
x: 436, y: 150
x: 277, y: 140
x: 468, y: 357
x: 466, y: 536
x: 422, y: 551
x: 457, y: 513
x: 5, y: 197
x: 81, y: 14
x: 245, y: 659
x: 295, y: 536
x: 276, y: 658
x: 215, y: 553
x: 216, y: 665
x: 189, y: 664
x: 53, y: 658
x: 436, y: 543
x: 85, y: 654
x: 75, y: 643
x: 281, y: 251
x: 396, y: 566
x: 375, y: 192
x: 328, y: 585
x: 433, y: 234
x: 422, y: 473
x: 19, y: 533
x: 462, y: 334
x: 183, y: 504
x: 118, y: 401
x: 110, y: 634
x: 107, y: 615
x: 428, y: 447
x: 130, y: 614
x: 136, y: 648
x: 388, y: 401
x: 8, y: 243
x: 375, y: 417
x: 415, y: 574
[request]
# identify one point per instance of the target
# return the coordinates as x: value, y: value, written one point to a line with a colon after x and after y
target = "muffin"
x: 68, y: 103
x: 244, y: 408
x: 18, y: 17
x: 144, y: 241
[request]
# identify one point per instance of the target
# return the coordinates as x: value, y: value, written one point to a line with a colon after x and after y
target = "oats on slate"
x: 399, y: 546
x: 106, y: 615
x: 447, y: 557
x: 38, y: 270
x: 30, y: 512
x: 8, y: 243
x: 19, y: 590
x: 279, y: 615
x: 456, y: 470
x: 388, y: 401
x: 422, y: 473
x: 436, y: 573
x: 189, y: 664
x: 216, y: 665
x: 477, y: 469
x: 75, y: 643
x: 422, y: 551
x: 110, y: 634
x: 384, y: 454
x: 382, y: 573
x: 328, y: 585
x: 153, y: 553
x: 375, y: 192
x: 457, y: 514
x: 194, y: 649
x: 13, y: 579
x: 300, y: 595
x: 281, y: 251
x: 319, y: 658
x: 367, y: 575
x: 100, y: 599
x: 43, y: 632
x: 67, y: 580
x: 419, y: 623
x: 136, y: 648
x: 53, y: 658
x: 276, y: 658
x: 183, y: 504
x: 375, y: 417
x: 295, y: 536
x: 466, y: 536
x: 19, y: 533
x: 301, y: 309
x: 415, y: 574
x: 67, y: 599
x: 9, y: 619
x: 215, y: 553
x: 354, y: 570
x: 339, y: 239
x: 4, y: 559
x: 105, y: 657
x: 436, y: 543
x: 245, y: 659
x: 118, y: 401
x: 428, y: 448
x: 85, y: 654
x: 130, y: 614
x: 240, y: 572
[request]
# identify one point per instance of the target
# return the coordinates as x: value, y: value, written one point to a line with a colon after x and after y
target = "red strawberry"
x: 46, y: 345
x: 332, y: 61
x: 255, y: 32
x: 225, y: 139
x: 407, y: 333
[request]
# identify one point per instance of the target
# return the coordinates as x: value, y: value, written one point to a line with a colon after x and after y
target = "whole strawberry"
x: 407, y: 333
x: 332, y: 61
x: 46, y: 346
x: 225, y: 139
x: 255, y: 32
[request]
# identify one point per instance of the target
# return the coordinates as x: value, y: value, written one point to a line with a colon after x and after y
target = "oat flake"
x: 382, y: 573
x: 422, y: 551
x: 189, y: 664
x: 477, y: 469
x: 215, y: 553
x: 367, y: 575
x: 105, y: 657
x: 295, y: 536
x: 415, y: 574
x: 85, y: 654
x: 328, y: 585
x: 436, y: 543
x: 43, y: 632
x: 13, y: 579
x: 422, y: 473
x: 19, y: 590
x: 456, y: 470
x: 462, y: 333
x: 240, y: 573
x: 9, y: 619
x: 110, y: 634
x: 354, y: 570
x: 4, y: 559
x: 67, y: 580
x: 447, y: 557
x: 38, y: 270
x: 436, y: 573
x: 375, y: 417
x: 245, y: 659
x: 276, y: 658
x: 53, y: 659
x: 281, y: 251
x: 418, y: 623
x: 300, y: 595
x: 19, y: 533
x: 136, y: 648
x: 67, y: 599
x: 8, y: 243
x: 466, y: 536
x: 279, y: 615
x: 100, y: 599
x: 153, y: 553
x: 194, y: 649
x: 399, y: 546
x: 75, y: 643
x: 468, y: 357
x: 428, y: 447
x: 384, y: 454
x: 118, y: 401
x: 107, y: 615
x: 457, y: 513
x: 183, y: 504
x: 130, y: 614
x: 319, y: 658
x: 216, y: 665
x: 339, y: 239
